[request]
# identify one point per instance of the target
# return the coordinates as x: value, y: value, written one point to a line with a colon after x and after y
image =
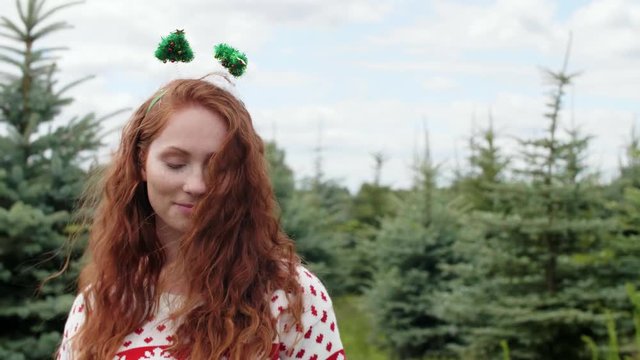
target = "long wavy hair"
x: 234, y: 256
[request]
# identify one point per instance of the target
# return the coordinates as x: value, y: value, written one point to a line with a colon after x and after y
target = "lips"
x: 185, y: 208
x: 185, y: 205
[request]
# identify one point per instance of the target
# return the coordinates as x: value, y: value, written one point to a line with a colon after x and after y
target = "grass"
x: 355, y: 330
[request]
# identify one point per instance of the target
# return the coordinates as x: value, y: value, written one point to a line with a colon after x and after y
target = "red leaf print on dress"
x: 307, y: 335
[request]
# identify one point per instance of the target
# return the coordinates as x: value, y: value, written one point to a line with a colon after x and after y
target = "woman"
x: 186, y: 259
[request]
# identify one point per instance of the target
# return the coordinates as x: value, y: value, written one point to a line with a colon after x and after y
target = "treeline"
x: 527, y: 251
x: 524, y: 253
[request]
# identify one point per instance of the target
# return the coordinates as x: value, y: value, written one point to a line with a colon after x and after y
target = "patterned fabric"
x: 317, y: 339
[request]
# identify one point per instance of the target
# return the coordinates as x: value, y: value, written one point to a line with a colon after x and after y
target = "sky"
x: 358, y: 77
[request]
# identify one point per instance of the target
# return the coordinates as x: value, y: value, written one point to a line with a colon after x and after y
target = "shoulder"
x: 314, y: 293
x: 318, y: 336
x: 311, y: 284
x: 74, y: 321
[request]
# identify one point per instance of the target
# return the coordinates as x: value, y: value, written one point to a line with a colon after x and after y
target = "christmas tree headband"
x: 176, y: 48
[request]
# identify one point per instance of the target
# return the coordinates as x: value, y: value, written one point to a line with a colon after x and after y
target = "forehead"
x: 194, y: 129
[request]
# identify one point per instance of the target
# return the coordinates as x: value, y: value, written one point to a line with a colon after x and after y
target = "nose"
x: 195, y: 184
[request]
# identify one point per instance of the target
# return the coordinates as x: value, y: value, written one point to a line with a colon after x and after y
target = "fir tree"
x: 411, y: 251
x: 479, y: 190
x: 620, y: 260
x: 280, y: 173
x: 533, y: 288
x: 487, y: 169
x: 40, y: 178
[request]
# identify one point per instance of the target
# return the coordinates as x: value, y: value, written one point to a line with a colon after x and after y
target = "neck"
x: 171, y: 277
x: 170, y: 241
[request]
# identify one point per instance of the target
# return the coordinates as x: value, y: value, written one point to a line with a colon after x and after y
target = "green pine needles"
x: 234, y: 60
x: 174, y: 47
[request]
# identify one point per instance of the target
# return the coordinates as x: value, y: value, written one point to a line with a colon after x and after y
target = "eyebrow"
x: 172, y: 149
x: 181, y: 151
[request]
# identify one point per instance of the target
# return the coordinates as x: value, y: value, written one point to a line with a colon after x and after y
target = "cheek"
x: 160, y: 180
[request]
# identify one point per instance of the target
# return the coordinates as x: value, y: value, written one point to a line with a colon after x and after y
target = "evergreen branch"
x: 73, y: 84
x: 10, y: 37
x: 21, y: 12
x: 48, y: 59
x: 38, y: 8
x: 58, y: 8
x: 566, y: 54
x: 51, y: 28
x: 62, y: 102
x: 42, y: 70
x: 13, y: 27
x: 5, y: 110
x: 55, y: 48
x: 9, y: 60
x: 12, y: 49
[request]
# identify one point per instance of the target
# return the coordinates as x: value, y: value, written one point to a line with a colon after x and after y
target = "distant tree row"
x: 528, y: 249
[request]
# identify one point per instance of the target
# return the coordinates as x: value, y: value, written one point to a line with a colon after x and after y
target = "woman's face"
x: 176, y: 163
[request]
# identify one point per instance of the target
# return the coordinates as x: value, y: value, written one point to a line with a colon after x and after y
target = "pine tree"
x: 620, y: 260
x: 280, y: 173
x: 371, y: 204
x: 314, y: 216
x: 535, y: 290
x: 41, y: 176
x: 487, y: 169
x: 479, y: 189
x: 411, y: 250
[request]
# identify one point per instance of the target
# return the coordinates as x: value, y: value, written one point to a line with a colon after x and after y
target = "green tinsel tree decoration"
x: 174, y: 47
x: 234, y: 60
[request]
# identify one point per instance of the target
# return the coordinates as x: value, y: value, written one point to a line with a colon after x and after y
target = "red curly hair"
x: 234, y: 256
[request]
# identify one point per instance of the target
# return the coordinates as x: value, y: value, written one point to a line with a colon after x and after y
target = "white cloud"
x: 463, y: 50
x: 440, y: 83
x: 455, y: 28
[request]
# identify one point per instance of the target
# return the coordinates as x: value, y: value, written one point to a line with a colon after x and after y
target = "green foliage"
x: 411, y: 251
x: 174, y: 47
x: 235, y: 61
x: 591, y: 345
x: 315, y: 218
x: 505, y: 350
x: 355, y: 329
x: 522, y: 278
x: 41, y: 177
x: 613, y: 353
x: 280, y: 174
x: 487, y: 167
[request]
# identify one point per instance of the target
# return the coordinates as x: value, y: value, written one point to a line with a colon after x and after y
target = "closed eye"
x: 174, y: 166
